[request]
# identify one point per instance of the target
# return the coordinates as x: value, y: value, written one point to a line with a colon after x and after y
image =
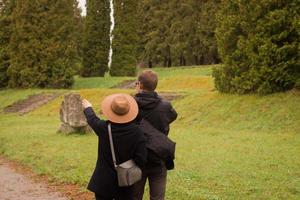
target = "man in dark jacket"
x: 160, y: 114
x: 129, y: 143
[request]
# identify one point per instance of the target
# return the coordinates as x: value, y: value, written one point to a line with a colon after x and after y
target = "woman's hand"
x: 85, y: 104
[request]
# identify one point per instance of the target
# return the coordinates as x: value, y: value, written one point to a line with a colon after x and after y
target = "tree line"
x: 150, y: 33
x: 44, y: 43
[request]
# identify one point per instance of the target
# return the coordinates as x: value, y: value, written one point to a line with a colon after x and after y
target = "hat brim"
x: 120, y: 119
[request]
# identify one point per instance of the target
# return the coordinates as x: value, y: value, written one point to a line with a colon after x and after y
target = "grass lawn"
x: 228, y: 146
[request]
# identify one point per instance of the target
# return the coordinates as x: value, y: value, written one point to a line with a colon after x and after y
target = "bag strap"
x: 112, y: 145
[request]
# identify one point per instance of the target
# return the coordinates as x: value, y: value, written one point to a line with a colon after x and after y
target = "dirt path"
x: 127, y: 84
x: 16, y: 186
x: 30, y: 103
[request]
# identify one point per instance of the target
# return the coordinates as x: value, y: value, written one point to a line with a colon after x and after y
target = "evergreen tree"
x: 125, y: 43
x: 162, y: 20
x: 205, y: 46
x: 96, y: 39
x: 183, y: 31
x: 6, y: 7
x: 144, y: 54
x: 79, y: 33
x: 259, y: 45
x: 178, y: 32
x: 42, y: 45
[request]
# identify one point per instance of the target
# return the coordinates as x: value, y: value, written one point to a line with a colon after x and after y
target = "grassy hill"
x: 228, y: 146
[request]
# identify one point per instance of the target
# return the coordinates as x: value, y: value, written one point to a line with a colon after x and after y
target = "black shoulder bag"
x: 157, y: 141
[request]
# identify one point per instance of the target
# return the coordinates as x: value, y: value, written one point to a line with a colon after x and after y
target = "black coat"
x: 159, y: 113
x: 129, y: 143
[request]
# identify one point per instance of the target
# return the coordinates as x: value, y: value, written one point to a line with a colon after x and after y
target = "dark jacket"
x: 129, y: 143
x: 159, y: 113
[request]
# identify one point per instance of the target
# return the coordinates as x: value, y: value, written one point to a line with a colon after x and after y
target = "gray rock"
x: 71, y: 115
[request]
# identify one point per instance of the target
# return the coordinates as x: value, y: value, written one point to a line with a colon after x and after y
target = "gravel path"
x: 15, y: 186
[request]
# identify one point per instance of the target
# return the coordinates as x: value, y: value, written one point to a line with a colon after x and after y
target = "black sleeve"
x: 140, y: 155
x: 95, y: 122
x: 172, y: 114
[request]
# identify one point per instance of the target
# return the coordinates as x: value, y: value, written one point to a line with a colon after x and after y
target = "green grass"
x: 98, y: 82
x: 228, y: 146
x: 204, y: 70
x: 164, y: 74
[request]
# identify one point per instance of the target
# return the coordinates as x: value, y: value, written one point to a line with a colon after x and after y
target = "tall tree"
x: 79, y: 33
x: 157, y: 19
x: 125, y: 43
x: 178, y: 32
x: 259, y: 45
x: 96, y: 39
x: 6, y: 7
x: 42, y: 46
x: 183, y: 30
x: 205, y: 46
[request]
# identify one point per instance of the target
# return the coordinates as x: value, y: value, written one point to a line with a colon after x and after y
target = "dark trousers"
x: 124, y: 193
x: 157, y: 184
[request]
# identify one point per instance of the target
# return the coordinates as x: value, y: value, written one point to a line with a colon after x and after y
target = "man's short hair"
x: 148, y: 79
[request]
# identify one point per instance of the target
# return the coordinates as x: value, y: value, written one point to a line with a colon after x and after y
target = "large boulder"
x: 71, y: 115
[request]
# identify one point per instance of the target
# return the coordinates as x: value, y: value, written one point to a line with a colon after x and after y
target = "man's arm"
x: 172, y: 114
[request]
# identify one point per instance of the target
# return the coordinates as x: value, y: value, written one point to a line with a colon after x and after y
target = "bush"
x: 42, y: 46
x: 259, y: 45
x: 5, y: 33
x: 297, y: 84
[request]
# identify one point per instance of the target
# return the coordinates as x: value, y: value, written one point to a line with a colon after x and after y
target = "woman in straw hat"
x: 129, y: 143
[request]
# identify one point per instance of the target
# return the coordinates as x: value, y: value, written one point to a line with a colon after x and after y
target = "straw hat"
x: 119, y: 108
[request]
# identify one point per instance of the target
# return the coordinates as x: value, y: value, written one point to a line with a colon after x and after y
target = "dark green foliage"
x: 6, y: 8
x: 207, y: 51
x: 96, y: 38
x: 192, y: 32
x: 155, y: 17
x: 42, y: 46
x: 259, y: 45
x: 79, y: 33
x: 297, y: 84
x: 124, y: 59
x: 177, y: 32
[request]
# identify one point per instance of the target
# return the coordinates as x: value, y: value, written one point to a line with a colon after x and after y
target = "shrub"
x: 259, y: 45
x: 297, y: 84
x: 42, y: 46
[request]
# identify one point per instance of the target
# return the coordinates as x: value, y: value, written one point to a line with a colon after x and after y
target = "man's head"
x: 147, y: 81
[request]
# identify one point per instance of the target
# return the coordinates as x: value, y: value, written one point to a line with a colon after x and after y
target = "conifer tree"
x: 206, y: 22
x: 96, y: 39
x: 125, y: 43
x: 79, y: 33
x: 177, y: 32
x: 6, y: 7
x: 259, y: 45
x: 155, y: 31
x: 145, y: 52
x: 42, y: 46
